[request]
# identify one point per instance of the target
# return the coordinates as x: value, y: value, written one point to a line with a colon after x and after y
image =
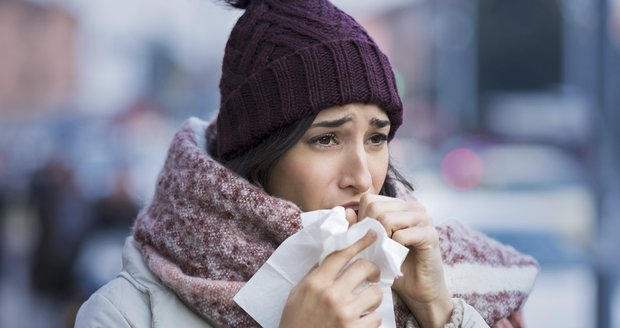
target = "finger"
x: 368, y: 300
x: 516, y: 318
x: 358, y: 273
x: 394, y: 214
x: 498, y: 324
x: 336, y: 261
x: 350, y: 215
x: 504, y: 323
x: 420, y: 238
x: 394, y: 221
x: 365, y: 207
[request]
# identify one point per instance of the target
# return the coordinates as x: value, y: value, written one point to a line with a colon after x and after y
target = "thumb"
x: 351, y: 216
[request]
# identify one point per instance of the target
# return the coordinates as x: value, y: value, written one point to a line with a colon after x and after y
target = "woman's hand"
x: 515, y: 320
x: 422, y: 286
x: 329, y: 296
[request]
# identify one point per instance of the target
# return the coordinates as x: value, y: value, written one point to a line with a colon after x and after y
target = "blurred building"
x: 37, y: 70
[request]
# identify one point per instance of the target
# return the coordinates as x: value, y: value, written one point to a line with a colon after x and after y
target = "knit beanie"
x: 289, y: 59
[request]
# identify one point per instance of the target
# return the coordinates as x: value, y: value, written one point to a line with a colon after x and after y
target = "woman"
x: 308, y: 106
x: 342, y: 159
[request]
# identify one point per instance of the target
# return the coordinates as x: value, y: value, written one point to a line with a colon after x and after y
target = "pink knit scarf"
x: 207, y: 231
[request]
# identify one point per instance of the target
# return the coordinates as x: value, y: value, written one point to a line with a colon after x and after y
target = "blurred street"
x: 510, y: 114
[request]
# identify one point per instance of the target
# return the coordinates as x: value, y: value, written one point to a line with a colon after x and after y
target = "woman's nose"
x: 356, y: 172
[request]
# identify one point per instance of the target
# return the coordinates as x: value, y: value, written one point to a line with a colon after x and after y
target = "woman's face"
x: 343, y: 154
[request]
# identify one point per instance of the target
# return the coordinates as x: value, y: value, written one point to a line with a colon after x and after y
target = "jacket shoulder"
x: 136, y: 299
x: 117, y: 304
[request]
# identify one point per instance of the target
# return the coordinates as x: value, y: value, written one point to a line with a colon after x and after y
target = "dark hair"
x: 255, y: 165
x: 241, y: 4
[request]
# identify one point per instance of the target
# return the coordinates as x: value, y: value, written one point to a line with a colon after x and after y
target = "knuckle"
x: 382, y: 217
x: 311, y: 286
x: 371, y: 210
x: 365, y: 197
x: 343, y: 318
x: 365, y: 265
x: 331, y: 297
x: 375, y: 207
x: 374, y: 268
x: 398, y: 235
x: 432, y: 237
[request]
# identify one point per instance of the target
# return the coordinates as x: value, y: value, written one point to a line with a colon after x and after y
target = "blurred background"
x: 511, y: 110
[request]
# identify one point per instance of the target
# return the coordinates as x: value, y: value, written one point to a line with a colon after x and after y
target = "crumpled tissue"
x: 263, y: 297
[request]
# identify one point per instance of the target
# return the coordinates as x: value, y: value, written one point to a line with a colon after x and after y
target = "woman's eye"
x: 324, y: 140
x: 378, y: 138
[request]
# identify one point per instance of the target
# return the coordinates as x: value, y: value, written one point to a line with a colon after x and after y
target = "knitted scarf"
x: 207, y: 231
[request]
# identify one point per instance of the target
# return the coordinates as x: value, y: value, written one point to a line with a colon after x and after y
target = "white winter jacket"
x: 136, y: 299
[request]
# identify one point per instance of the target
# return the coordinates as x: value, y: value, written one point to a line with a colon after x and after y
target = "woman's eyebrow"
x: 331, y: 123
x: 379, y: 123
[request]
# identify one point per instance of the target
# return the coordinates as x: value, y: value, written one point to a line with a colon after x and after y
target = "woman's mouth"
x: 352, y: 205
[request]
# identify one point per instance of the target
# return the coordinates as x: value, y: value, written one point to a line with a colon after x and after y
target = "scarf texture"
x: 207, y: 231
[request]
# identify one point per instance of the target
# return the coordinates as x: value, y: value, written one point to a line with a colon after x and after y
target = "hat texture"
x: 288, y: 59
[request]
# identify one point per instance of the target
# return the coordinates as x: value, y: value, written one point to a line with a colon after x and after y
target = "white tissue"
x: 325, y: 231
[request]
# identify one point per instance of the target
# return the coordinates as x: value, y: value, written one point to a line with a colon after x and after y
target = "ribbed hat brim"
x: 302, y: 84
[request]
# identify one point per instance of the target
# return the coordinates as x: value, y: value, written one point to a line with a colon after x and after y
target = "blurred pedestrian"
x: 117, y: 209
x: 63, y: 219
x: 97, y: 259
x: 4, y: 194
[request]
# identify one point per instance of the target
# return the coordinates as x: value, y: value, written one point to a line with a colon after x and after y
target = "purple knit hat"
x: 288, y: 59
